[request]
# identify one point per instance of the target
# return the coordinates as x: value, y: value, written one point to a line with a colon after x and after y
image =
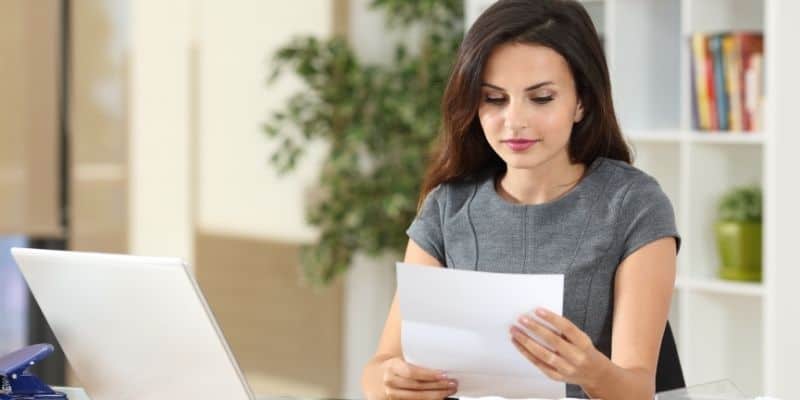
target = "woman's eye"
x: 543, y: 100
x: 495, y: 100
x: 501, y: 100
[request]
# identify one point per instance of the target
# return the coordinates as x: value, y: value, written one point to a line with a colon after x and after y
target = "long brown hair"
x: 462, y: 153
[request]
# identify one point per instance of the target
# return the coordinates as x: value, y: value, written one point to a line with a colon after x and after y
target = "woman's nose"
x: 515, y: 118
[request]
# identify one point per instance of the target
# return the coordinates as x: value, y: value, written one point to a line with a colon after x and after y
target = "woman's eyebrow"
x: 529, y: 88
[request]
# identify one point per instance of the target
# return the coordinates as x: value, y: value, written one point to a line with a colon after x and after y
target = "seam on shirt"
x: 524, y: 239
x: 578, y: 247
x: 447, y: 259
x: 472, y: 226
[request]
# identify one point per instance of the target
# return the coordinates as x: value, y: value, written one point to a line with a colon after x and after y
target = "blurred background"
x: 278, y: 148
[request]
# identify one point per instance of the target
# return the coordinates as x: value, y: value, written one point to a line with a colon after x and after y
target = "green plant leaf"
x: 379, y: 121
x: 741, y: 204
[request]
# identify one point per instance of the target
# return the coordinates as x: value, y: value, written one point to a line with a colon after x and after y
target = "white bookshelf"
x: 725, y: 330
x: 718, y: 324
x: 744, y: 332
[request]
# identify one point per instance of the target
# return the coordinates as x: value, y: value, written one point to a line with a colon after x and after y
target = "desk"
x: 80, y: 394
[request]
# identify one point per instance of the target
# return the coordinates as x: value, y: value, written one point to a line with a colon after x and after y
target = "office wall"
x: 160, y: 144
x: 286, y: 336
x: 249, y: 220
x: 179, y: 114
x: 370, y: 282
x: 99, y: 125
x: 29, y: 68
x: 238, y: 192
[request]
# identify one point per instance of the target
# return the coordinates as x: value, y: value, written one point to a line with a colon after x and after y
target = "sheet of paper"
x: 458, y: 321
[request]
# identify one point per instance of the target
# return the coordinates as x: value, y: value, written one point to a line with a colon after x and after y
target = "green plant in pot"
x: 738, y: 232
x: 380, y: 122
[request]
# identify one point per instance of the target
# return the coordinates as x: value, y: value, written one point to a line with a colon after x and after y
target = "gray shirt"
x: 585, y: 234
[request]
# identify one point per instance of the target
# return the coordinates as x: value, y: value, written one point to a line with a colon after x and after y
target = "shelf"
x: 720, y: 325
x: 719, y: 286
x: 692, y: 136
x: 719, y: 137
x: 654, y: 136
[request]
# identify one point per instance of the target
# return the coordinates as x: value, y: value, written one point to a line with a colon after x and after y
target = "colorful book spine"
x: 727, y: 81
x: 693, y: 90
x: 701, y: 90
x: 715, y: 45
x: 730, y: 51
x: 752, y: 51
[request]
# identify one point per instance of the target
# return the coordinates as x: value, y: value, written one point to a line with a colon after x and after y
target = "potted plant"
x: 380, y: 122
x: 738, y: 232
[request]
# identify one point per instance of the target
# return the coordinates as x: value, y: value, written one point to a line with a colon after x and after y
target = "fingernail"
x: 525, y: 320
x: 541, y: 312
x: 452, y: 383
x: 443, y: 376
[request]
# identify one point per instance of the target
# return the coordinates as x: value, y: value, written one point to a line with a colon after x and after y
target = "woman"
x: 533, y: 176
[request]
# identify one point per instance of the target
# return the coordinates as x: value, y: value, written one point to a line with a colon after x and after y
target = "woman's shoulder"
x: 452, y: 195
x: 626, y: 176
x: 626, y: 182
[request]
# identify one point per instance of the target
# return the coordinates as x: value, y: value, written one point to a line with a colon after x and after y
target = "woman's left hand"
x: 573, y: 359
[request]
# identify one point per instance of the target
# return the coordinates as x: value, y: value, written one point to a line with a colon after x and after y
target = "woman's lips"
x: 519, y: 144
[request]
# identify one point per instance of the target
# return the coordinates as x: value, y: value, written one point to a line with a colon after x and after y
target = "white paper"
x: 458, y: 321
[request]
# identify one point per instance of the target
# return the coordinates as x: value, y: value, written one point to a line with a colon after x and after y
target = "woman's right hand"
x: 402, y: 380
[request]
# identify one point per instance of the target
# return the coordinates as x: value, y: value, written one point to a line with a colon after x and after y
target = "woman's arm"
x: 426, y: 382
x: 642, y: 292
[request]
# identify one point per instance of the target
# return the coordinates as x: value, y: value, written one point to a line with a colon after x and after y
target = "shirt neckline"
x: 576, y: 190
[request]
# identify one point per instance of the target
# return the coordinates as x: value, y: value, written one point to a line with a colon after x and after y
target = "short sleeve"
x: 426, y: 229
x: 646, y: 215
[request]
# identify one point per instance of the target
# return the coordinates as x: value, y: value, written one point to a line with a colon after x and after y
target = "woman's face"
x: 528, y: 105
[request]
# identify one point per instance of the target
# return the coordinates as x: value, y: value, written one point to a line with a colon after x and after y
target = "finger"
x: 546, y: 369
x: 410, y: 371
x: 556, y: 342
x: 574, y: 334
x: 398, y: 382
x: 402, y: 394
x: 550, y: 358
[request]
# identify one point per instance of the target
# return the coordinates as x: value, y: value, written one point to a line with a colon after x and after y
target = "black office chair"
x: 669, y: 374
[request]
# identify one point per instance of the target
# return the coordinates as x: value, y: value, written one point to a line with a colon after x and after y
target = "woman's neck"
x: 542, y: 184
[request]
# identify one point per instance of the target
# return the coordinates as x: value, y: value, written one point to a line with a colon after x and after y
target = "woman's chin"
x: 529, y: 160
x: 518, y: 163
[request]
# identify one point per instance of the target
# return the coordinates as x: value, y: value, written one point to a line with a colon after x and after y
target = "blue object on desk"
x: 16, y: 384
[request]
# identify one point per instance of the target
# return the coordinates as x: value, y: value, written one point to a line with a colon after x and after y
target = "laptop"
x: 133, y: 328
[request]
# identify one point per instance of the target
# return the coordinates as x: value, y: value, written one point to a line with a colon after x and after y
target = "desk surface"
x: 80, y: 394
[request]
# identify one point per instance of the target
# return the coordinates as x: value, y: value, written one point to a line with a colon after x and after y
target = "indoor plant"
x: 379, y: 122
x: 738, y: 232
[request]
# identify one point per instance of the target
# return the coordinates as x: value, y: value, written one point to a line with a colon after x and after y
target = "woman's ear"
x: 578, y: 113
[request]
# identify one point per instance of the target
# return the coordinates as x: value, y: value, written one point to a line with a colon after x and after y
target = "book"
x: 733, y: 73
x: 701, y: 90
x: 752, y: 48
x: 720, y: 92
x: 708, y: 79
x: 727, y: 88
